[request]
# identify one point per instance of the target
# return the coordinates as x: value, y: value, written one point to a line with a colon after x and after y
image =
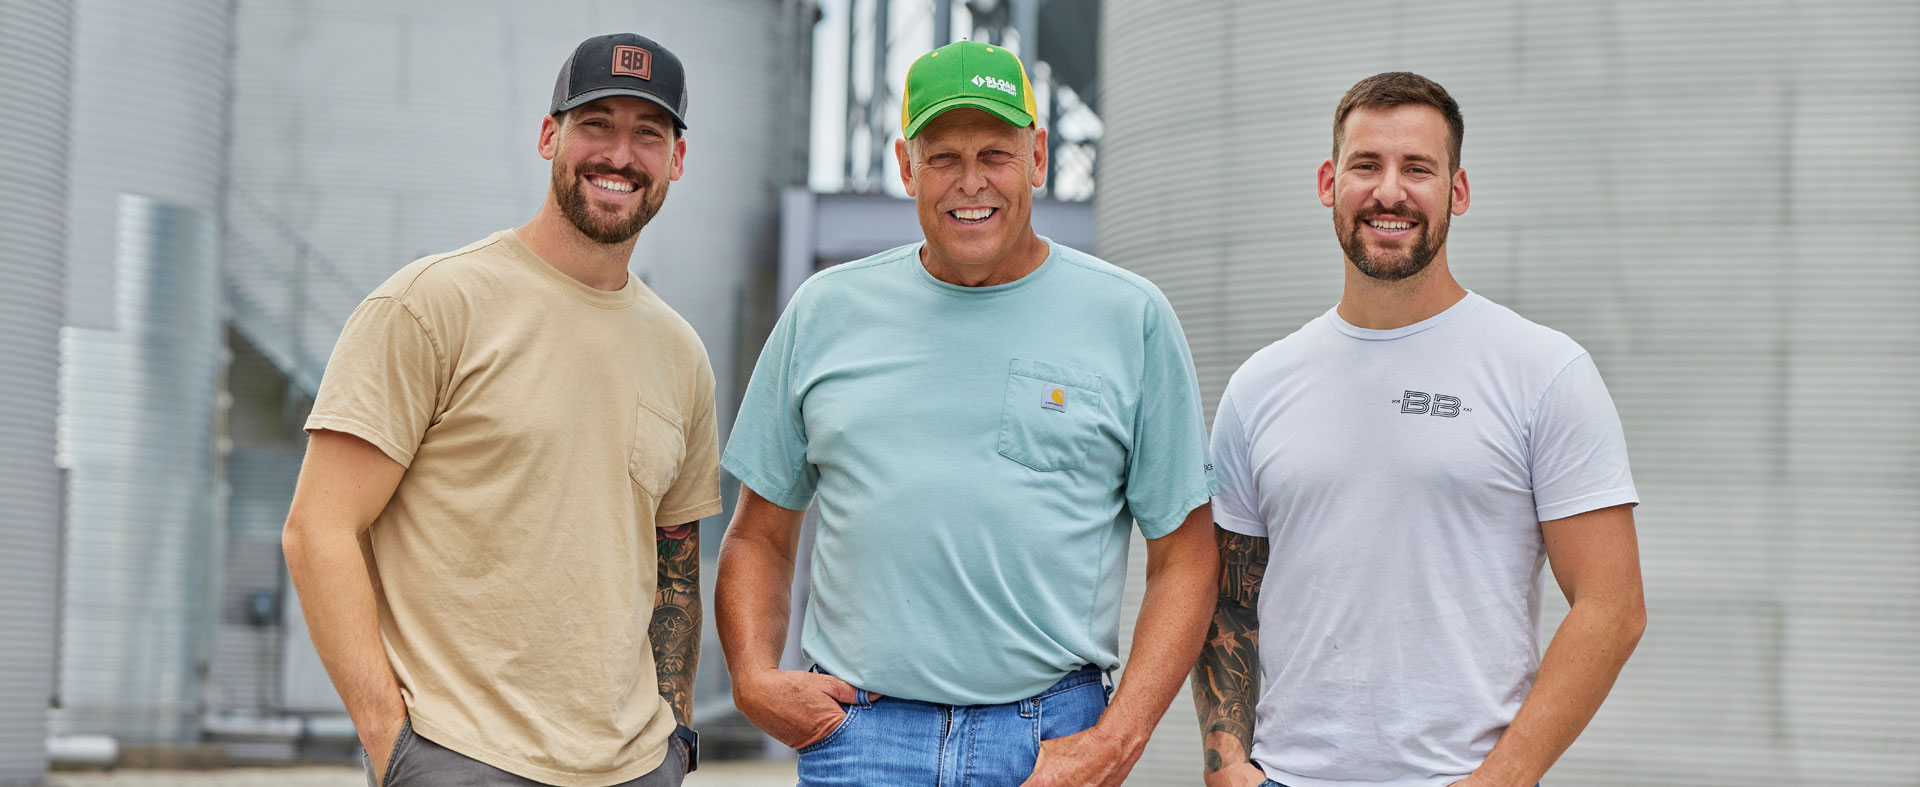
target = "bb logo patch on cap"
x: 633, y: 61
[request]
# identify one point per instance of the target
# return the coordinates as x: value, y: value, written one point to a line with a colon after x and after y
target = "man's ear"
x: 1324, y: 181
x: 906, y: 164
x: 549, y: 137
x: 1039, y: 158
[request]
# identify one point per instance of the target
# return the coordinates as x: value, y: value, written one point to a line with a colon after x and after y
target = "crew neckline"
x: 604, y: 299
x: 1459, y: 307
x: 1033, y: 276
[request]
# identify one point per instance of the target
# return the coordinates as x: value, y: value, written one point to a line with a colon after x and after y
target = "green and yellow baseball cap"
x: 966, y: 74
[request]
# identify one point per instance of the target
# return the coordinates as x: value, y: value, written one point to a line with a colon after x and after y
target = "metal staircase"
x: 283, y: 295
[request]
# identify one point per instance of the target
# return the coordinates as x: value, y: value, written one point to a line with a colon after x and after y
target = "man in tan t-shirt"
x: 494, y: 533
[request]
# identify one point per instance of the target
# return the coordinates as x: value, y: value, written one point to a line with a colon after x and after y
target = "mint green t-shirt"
x: 978, y: 454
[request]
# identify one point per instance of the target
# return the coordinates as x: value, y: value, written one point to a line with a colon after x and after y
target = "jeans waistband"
x: 1080, y: 677
x: 1075, y: 679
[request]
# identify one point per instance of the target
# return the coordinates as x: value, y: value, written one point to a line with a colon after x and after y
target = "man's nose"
x: 973, y: 177
x: 620, y: 155
x: 1391, y: 191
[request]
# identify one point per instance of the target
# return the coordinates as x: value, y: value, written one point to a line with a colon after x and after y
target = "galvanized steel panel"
x: 137, y: 436
x: 1716, y: 200
x: 34, y: 68
x: 149, y: 104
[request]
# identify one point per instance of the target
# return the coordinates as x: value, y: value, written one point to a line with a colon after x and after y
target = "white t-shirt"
x: 1401, y: 477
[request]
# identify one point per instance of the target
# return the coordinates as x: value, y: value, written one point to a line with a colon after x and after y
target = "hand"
x: 796, y: 708
x: 1089, y: 758
x: 378, y: 738
x: 1240, y: 774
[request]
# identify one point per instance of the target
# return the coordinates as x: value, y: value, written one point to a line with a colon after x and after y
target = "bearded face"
x: 1388, y: 258
x: 597, y: 206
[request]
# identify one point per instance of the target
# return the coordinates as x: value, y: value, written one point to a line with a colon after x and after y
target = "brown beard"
x: 569, y: 191
x: 1425, y: 247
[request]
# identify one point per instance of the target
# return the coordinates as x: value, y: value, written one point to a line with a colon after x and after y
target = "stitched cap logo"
x: 633, y: 61
x: 995, y: 83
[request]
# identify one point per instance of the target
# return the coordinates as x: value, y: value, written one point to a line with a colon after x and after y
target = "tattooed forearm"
x: 675, y: 632
x: 1226, y: 679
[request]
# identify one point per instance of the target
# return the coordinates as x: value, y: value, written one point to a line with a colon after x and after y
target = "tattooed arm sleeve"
x: 1226, y: 679
x: 675, y: 631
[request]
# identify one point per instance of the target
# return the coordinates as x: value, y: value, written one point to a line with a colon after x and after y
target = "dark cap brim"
x: 1002, y: 111
x: 609, y: 92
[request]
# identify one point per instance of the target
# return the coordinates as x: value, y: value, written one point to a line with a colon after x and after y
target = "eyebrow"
x: 1419, y: 157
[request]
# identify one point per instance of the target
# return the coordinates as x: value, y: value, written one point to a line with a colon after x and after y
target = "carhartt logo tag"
x: 997, y: 84
x: 1056, y: 399
x: 632, y: 61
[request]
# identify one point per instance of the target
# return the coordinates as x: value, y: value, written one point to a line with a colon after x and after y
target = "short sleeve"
x: 1168, y: 475
x: 384, y: 380
x: 1579, y: 453
x: 767, y: 450
x: 1236, y: 506
x: 696, y: 489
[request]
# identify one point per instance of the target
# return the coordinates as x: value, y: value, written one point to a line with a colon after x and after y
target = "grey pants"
x: 418, y: 762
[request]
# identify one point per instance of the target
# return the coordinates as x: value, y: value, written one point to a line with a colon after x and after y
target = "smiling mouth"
x: 973, y: 215
x: 1389, y: 226
x: 614, y: 186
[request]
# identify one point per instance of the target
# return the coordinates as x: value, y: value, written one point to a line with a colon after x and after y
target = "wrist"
x: 1129, y: 736
x: 749, y: 681
x: 1494, y: 774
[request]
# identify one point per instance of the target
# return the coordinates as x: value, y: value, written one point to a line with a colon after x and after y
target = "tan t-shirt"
x: 547, y: 428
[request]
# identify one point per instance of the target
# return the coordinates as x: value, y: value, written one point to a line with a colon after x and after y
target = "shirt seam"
x: 693, y: 513
x: 1533, y: 416
x: 1620, y: 495
x: 1172, y: 521
x: 440, y: 355
x: 364, y: 431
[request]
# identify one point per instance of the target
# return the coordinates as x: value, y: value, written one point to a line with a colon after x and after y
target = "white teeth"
x: 1389, y: 225
x: 611, y: 185
x: 972, y: 214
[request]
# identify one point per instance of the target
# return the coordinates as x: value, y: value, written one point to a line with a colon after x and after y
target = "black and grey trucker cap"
x: 622, y: 64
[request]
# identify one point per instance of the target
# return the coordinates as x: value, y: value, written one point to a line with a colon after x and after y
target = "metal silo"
x: 139, y: 364
x: 1715, y: 200
x: 34, y: 65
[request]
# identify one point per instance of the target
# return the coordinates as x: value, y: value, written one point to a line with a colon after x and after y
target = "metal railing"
x: 285, y: 296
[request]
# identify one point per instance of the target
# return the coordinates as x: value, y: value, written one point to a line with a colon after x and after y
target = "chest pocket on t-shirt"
x: 658, y: 445
x: 1049, y: 416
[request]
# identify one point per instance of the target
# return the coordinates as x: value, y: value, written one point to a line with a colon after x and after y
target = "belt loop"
x: 862, y: 699
x: 1029, y: 707
x: 1106, y: 682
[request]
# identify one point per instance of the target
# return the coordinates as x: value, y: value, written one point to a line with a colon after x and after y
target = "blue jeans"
x: 906, y: 742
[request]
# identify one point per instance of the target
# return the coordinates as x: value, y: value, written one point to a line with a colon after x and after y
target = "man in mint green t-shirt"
x: 981, y: 418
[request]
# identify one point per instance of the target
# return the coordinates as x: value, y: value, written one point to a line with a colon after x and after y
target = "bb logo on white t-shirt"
x: 1421, y: 403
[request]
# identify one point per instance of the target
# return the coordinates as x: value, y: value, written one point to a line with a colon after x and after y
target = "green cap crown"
x: 966, y: 74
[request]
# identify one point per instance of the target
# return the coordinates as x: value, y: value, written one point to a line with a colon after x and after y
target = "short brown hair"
x: 1399, y: 88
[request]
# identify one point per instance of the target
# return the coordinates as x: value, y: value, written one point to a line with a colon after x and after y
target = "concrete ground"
x: 761, y: 773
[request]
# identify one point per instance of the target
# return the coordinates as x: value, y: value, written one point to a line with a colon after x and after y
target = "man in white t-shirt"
x: 1391, y: 477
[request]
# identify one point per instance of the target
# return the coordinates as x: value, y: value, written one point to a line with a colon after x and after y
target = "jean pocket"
x: 852, y: 711
x: 653, y: 460
x: 1049, y: 416
x: 402, y: 743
